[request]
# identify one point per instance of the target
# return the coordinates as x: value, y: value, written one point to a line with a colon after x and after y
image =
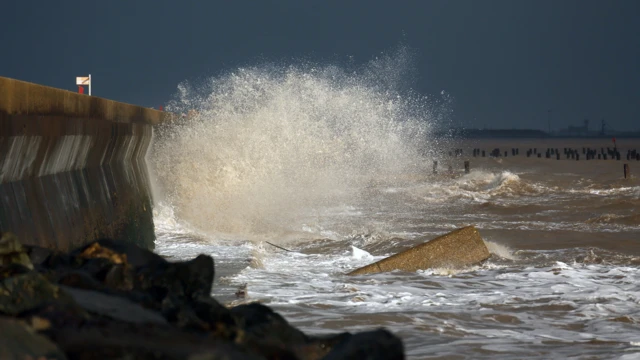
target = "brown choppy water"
x: 563, y: 279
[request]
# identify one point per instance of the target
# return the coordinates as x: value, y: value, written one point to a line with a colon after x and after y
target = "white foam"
x: 568, y: 293
x: 272, y: 146
x: 360, y: 254
x: 500, y: 250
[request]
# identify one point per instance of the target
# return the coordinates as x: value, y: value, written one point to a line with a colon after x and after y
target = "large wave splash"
x: 268, y: 145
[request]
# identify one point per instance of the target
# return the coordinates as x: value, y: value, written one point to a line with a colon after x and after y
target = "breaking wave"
x: 504, y: 183
x: 262, y: 147
x: 479, y: 186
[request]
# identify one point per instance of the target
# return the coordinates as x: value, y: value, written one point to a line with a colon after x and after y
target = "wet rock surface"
x: 114, y: 300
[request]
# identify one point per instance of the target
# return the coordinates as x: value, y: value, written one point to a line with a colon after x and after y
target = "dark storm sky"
x: 503, y: 62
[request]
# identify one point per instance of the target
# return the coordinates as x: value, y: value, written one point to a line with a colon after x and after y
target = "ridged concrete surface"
x: 457, y: 249
x: 72, y: 166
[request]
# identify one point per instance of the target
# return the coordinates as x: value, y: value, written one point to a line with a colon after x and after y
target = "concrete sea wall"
x: 72, y: 167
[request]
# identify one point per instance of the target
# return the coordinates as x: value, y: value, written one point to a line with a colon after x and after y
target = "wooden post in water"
x: 627, y: 171
x: 435, y: 166
x: 466, y: 167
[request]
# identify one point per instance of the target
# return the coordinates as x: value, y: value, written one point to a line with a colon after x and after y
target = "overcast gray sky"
x: 503, y: 62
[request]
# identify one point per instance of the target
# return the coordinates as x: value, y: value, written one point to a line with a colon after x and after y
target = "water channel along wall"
x: 72, y: 167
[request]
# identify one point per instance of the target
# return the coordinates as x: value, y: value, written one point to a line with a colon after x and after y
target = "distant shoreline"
x: 526, y: 133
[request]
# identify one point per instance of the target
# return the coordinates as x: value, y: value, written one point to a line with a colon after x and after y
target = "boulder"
x: 457, y: 249
x: 216, y: 315
x: 188, y: 280
x: 120, y: 252
x: 12, y: 251
x: 264, y: 323
x: 95, y: 251
x: 28, y: 291
x: 371, y: 345
x: 12, y: 270
x: 317, y: 347
x: 113, y: 300
x: 52, y: 316
x: 116, y: 340
x: 19, y: 342
x: 264, y: 330
x: 113, y: 307
x: 37, y: 254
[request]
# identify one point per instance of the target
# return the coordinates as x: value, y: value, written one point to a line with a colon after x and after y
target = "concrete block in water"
x: 456, y: 249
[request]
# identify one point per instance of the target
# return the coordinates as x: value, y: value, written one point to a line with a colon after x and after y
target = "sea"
x: 292, y: 176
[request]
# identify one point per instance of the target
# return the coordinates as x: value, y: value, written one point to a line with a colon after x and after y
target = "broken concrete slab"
x: 459, y: 248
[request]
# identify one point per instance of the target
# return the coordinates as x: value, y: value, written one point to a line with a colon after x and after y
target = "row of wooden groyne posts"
x: 569, y: 154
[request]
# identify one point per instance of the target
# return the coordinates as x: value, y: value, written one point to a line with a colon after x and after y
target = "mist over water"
x: 271, y: 144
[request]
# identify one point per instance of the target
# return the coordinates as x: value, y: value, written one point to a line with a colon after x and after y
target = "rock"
x: 58, y: 260
x: 216, y: 315
x: 113, y: 300
x: 81, y: 280
x: 10, y: 244
x: 12, y: 251
x: 459, y: 248
x: 210, y: 356
x: 318, y: 347
x: 28, y: 291
x: 95, y: 251
x: 57, y: 315
x: 119, y: 277
x: 262, y: 322
x: 196, y: 275
x: 265, y: 330
x: 98, y: 268
x: 115, y: 340
x: 371, y: 345
x: 114, y: 307
x: 178, y: 312
x: 188, y: 280
x: 13, y: 270
x: 132, y: 254
x: 20, y: 342
x: 37, y: 254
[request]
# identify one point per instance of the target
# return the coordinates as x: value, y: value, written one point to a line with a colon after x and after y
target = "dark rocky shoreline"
x: 114, y: 300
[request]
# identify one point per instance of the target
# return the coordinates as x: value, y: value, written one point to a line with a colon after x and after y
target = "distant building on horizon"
x: 576, y: 130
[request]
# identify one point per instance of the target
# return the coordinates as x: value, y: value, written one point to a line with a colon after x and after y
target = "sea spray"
x: 269, y: 145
